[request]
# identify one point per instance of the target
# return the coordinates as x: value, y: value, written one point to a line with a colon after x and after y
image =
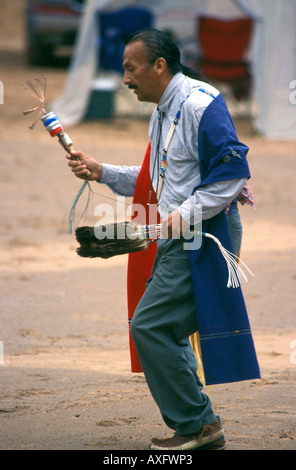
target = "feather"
x: 109, y: 240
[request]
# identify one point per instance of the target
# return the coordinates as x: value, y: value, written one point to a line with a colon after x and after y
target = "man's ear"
x: 160, y: 65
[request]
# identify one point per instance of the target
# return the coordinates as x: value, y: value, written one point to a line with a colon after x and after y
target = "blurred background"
x: 237, y: 45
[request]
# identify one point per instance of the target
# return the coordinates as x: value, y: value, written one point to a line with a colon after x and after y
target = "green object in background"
x: 101, y: 101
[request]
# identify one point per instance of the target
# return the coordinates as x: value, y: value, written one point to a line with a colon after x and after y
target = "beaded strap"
x: 165, y: 150
x: 168, y: 141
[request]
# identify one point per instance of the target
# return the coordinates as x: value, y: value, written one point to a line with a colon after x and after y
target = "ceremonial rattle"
x: 55, y: 128
x: 50, y: 120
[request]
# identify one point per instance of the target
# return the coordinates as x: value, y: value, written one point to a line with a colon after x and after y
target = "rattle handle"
x: 55, y: 128
x: 68, y: 146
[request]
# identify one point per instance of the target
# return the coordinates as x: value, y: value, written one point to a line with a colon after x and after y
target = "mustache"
x: 132, y: 87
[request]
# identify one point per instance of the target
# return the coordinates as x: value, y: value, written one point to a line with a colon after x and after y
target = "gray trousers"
x: 235, y: 230
x: 162, y: 323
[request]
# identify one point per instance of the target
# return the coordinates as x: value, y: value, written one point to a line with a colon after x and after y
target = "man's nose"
x: 126, y: 78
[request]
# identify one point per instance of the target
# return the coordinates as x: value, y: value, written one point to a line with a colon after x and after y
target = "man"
x: 204, y: 165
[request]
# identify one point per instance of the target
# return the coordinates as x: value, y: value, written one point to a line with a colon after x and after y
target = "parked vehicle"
x: 50, y: 24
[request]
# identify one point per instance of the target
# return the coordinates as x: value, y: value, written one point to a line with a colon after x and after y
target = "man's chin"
x: 141, y: 98
x: 136, y: 92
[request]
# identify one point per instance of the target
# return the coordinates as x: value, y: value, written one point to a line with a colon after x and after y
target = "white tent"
x: 273, y: 55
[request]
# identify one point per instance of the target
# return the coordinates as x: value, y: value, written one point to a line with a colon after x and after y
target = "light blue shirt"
x: 182, y: 168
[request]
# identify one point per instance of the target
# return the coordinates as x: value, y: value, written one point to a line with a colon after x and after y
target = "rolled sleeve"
x: 211, y: 199
x: 120, y: 179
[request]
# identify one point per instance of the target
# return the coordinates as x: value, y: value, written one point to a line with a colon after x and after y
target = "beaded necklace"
x: 168, y: 141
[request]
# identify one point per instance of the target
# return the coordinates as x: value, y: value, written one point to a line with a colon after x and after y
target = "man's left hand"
x: 173, y: 226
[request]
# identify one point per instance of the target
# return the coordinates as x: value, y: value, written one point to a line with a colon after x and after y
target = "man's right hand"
x: 85, y: 162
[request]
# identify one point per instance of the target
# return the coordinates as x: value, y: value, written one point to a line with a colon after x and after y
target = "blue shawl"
x: 226, y: 342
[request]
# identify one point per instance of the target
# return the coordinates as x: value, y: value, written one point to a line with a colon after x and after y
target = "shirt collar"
x: 170, y: 92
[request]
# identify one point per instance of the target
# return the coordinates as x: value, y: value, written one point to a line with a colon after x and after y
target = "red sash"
x: 140, y: 263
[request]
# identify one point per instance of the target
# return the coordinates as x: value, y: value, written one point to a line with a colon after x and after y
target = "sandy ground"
x: 65, y: 378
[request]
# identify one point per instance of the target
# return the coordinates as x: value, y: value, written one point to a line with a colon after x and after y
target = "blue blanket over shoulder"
x: 227, y: 347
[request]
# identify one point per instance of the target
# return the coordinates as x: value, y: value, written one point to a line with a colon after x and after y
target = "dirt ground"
x: 65, y: 378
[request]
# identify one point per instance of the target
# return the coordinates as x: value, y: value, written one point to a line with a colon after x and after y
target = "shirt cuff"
x: 191, y: 211
x: 109, y: 174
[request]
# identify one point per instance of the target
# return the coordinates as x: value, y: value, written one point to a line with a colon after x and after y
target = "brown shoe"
x: 210, y: 437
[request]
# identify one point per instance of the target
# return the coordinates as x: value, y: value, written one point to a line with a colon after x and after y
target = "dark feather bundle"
x: 127, y: 237
x: 110, y: 240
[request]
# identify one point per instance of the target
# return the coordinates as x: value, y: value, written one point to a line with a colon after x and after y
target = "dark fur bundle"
x: 111, y: 240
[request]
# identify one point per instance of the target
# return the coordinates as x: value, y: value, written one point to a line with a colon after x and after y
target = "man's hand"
x: 173, y: 226
x: 85, y: 162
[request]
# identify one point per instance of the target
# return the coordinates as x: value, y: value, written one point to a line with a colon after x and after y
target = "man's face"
x: 139, y: 74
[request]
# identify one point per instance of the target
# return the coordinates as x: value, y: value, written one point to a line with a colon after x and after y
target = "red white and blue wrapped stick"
x: 55, y: 129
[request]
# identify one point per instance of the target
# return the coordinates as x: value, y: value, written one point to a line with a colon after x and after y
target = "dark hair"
x: 159, y: 44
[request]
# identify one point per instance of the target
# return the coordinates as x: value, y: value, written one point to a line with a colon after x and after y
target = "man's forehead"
x: 135, y: 52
